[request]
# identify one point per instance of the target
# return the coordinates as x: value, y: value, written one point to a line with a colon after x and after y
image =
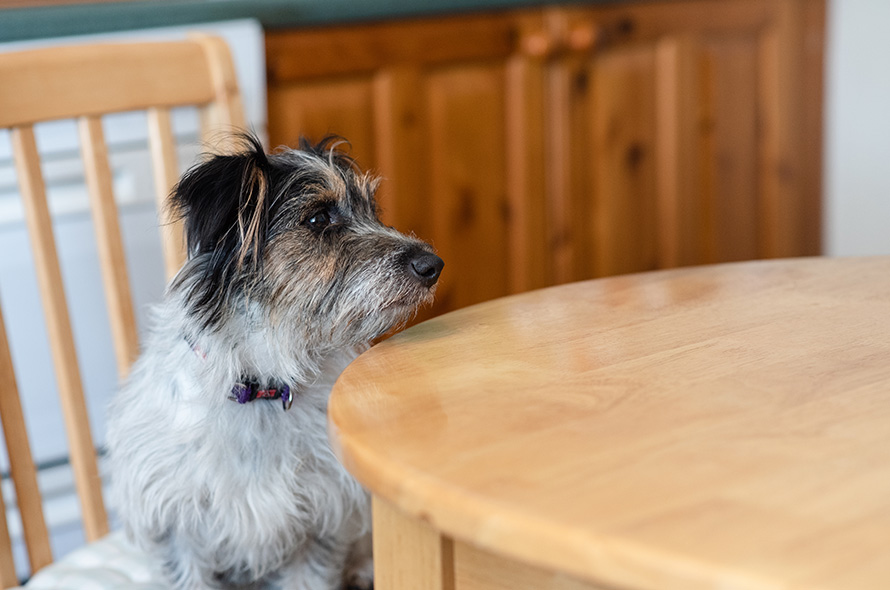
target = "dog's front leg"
x: 318, y: 565
x: 359, y: 573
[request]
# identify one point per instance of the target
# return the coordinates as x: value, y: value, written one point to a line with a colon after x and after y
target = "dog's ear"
x: 225, y: 206
x: 224, y: 202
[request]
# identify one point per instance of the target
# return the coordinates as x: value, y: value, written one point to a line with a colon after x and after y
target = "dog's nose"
x: 426, y: 268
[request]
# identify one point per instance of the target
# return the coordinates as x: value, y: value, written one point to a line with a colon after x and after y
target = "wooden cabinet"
x: 689, y: 133
x: 548, y: 145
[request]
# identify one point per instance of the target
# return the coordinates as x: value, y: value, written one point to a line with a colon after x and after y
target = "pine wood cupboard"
x: 546, y: 145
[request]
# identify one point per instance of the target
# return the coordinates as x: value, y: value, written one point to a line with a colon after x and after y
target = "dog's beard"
x: 356, y: 306
x: 363, y: 324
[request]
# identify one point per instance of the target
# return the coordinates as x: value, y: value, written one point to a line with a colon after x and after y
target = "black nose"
x: 426, y: 267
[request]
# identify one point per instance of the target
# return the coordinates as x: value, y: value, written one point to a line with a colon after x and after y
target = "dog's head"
x: 295, y: 235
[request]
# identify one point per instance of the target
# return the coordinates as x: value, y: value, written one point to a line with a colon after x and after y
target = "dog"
x: 220, y: 464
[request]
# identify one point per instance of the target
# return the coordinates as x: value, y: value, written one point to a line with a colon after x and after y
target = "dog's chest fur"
x: 220, y: 467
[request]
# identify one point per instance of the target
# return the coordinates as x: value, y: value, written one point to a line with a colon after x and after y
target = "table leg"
x: 409, y: 554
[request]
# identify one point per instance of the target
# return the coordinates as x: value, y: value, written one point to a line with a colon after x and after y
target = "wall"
x: 857, y: 129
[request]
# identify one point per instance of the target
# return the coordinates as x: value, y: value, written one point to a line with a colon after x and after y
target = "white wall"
x: 857, y: 128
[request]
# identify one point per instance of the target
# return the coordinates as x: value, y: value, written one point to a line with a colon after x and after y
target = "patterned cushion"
x: 111, y: 563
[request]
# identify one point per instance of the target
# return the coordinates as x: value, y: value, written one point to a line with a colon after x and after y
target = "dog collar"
x: 248, y: 391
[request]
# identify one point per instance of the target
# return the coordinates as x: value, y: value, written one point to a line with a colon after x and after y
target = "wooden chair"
x: 84, y: 83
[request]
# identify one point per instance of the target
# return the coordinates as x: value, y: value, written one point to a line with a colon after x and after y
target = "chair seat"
x: 112, y: 563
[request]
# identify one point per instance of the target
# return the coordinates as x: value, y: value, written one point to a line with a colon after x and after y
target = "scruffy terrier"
x: 217, y: 441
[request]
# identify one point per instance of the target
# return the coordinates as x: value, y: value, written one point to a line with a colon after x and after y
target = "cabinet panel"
x: 467, y: 182
x: 729, y: 141
x: 401, y: 131
x: 622, y: 95
x: 342, y: 107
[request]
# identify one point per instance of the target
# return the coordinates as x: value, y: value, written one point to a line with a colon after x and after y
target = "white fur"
x: 235, y: 487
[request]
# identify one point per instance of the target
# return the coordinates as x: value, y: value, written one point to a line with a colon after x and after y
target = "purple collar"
x: 248, y: 390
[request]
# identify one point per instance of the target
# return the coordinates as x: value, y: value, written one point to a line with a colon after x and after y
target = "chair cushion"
x: 111, y: 563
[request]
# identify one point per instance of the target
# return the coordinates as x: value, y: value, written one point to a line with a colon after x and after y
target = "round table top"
x: 724, y: 426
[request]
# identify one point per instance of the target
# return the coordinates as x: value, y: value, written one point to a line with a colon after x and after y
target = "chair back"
x: 83, y: 83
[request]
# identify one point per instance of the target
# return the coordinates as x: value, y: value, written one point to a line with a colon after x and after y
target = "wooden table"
x: 714, y: 427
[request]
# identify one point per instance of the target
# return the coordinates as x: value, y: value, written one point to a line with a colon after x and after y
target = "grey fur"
x: 251, y: 496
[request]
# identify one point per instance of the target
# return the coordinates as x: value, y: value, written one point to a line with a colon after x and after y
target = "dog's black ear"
x: 224, y: 202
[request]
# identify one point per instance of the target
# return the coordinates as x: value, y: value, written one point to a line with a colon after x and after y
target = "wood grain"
x: 409, y: 553
x: 61, y: 339
x: 476, y: 569
x: 165, y: 167
x: 467, y: 184
x: 731, y: 204
x: 343, y: 108
x: 526, y: 149
x: 112, y: 256
x: 569, y: 196
x: 623, y: 218
x: 811, y: 36
x: 8, y: 578
x: 677, y: 153
x: 710, y: 427
x: 344, y: 51
x: 226, y: 102
x: 46, y: 84
x: 23, y: 473
x: 400, y: 133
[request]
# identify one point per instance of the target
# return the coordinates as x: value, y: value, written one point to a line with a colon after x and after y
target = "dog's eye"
x: 320, y: 219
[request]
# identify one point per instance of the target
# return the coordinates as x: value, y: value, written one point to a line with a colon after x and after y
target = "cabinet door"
x: 686, y: 132
x: 441, y: 109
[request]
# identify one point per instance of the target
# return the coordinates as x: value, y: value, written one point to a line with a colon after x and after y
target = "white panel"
x: 857, y: 129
